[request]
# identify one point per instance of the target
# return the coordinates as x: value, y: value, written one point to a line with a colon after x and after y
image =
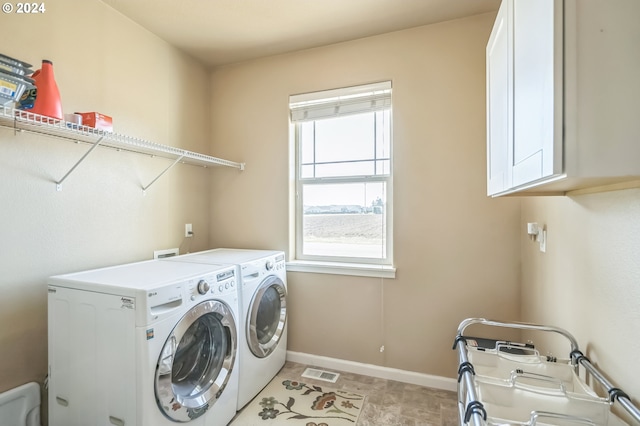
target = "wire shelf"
x: 26, y: 121
x: 35, y: 123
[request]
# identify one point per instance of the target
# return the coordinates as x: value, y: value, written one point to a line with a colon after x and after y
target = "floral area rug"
x: 289, y: 402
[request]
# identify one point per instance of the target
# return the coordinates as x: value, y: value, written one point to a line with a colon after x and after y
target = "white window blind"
x: 340, y: 102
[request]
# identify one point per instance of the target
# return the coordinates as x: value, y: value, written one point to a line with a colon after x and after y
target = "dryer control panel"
x: 279, y: 262
x: 258, y: 269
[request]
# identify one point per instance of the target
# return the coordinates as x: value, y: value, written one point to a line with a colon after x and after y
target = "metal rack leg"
x: 94, y: 146
x: 144, y: 188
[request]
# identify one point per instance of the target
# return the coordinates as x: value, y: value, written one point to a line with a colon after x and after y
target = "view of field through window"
x: 346, y: 220
x: 345, y: 234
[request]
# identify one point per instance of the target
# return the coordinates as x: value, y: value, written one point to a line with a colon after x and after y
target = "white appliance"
x: 20, y: 406
x: 149, y: 343
x: 263, y: 307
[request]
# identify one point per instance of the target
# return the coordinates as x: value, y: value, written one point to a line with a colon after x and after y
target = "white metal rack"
x: 511, y: 384
x: 24, y: 121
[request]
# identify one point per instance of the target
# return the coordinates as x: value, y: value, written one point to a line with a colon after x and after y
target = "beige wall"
x: 588, y: 281
x: 102, y: 62
x: 457, y: 252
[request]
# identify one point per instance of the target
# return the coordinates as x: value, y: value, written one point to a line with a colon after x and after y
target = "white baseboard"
x: 387, y: 373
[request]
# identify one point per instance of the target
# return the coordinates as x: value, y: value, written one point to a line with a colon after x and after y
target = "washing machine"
x: 149, y: 343
x: 263, y: 313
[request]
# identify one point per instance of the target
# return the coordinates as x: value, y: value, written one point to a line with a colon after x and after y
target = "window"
x: 343, y: 175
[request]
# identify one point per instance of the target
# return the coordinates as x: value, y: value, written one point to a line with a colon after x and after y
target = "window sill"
x: 337, y: 268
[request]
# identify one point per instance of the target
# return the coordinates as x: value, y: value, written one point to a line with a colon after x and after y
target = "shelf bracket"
x: 144, y: 188
x: 94, y: 146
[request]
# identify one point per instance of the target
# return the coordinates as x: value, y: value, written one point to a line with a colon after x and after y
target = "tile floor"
x: 389, y: 403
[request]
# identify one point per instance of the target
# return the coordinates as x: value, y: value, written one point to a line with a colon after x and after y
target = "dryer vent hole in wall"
x: 326, y: 376
x: 161, y: 254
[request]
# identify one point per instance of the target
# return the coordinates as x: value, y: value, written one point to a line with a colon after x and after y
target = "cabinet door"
x: 499, y: 102
x: 537, y: 90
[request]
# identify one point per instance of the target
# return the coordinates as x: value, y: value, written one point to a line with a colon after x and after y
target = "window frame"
x: 366, y: 266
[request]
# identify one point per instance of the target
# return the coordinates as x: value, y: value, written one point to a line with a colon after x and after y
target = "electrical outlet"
x: 188, y: 230
x: 539, y: 234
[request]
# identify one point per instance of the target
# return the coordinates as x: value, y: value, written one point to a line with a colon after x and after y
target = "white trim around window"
x: 342, y: 201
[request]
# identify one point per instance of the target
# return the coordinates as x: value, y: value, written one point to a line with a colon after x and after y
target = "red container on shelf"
x: 47, y: 100
x: 97, y: 120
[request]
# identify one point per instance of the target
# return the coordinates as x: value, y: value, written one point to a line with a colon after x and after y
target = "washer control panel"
x: 275, y: 263
x: 216, y: 284
x: 225, y: 282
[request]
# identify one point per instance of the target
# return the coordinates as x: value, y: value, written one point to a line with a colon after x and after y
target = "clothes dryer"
x: 149, y: 343
x: 263, y: 307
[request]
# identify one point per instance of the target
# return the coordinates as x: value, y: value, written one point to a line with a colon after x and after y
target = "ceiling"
x: 220, y: 32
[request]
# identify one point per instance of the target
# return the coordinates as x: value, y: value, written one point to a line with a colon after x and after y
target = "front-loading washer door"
x: 196, y: 361
x: 267, y: 316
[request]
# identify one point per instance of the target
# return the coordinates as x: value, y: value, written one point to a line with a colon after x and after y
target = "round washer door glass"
x: 267, y: 316
x: 196, y: 361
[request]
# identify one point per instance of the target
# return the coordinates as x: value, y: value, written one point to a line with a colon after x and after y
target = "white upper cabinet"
x: 537, y: 90
x: 499, y: 101
x: 563, y: 95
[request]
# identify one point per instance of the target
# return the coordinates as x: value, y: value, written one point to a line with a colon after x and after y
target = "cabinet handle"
x: 116, y: 421
x: 62, y: 401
